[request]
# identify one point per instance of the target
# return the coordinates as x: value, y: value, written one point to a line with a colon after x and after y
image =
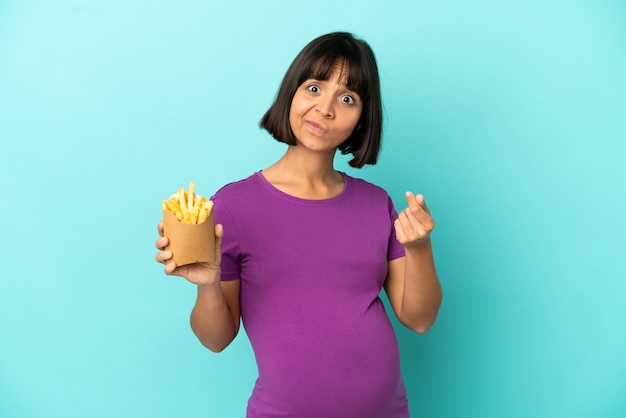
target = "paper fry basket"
x: 189, y: 243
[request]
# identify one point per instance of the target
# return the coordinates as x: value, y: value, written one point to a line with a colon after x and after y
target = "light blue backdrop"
x: 510, y: 116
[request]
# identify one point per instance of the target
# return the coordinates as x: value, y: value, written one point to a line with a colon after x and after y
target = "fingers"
x: 418, y: 210
x: 170, y: 268
x: 411, y: 227
x: 414, y: 224
x: 163, y: 256
x: 417, y: 203
x: 161, y: 243
x: 400, y: 235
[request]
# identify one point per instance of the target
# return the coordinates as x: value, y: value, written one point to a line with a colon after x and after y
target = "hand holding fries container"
x: 189, y: 243
x: 188, y: 224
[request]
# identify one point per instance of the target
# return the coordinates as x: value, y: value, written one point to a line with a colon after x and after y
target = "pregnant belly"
x: 329, y: 368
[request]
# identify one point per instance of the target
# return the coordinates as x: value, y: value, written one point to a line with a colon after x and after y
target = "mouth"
x: 315, y: 127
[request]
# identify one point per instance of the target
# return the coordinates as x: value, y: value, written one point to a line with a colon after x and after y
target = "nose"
x: 324, y: 107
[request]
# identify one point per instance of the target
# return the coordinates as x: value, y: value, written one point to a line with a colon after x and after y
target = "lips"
x: 315, y: 127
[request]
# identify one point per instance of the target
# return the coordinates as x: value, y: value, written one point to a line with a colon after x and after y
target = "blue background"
x: 510, y: 116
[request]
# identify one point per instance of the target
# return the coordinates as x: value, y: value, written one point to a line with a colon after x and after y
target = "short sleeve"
x: 231, y: 253
x: 394, y: 249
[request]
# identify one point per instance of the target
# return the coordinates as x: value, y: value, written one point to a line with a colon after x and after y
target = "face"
x: 324, y: 113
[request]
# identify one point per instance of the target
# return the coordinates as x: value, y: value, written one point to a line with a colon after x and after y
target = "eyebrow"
x: 345, y: 85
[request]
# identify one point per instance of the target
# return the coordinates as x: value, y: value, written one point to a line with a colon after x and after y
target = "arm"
x: 412, y: 285
x: 215, y: 316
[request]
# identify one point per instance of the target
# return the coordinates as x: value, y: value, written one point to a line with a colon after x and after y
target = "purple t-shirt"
x: 311, y: 272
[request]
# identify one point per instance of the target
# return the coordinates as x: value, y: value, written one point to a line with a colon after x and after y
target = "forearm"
x: 422, y: 293
x: 211, y: 320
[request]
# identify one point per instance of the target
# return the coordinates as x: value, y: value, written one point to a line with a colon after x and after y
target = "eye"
x: 313, y: 88
x: 348, y: 100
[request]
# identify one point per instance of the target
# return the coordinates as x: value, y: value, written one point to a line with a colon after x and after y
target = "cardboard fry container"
x: 189, y: 243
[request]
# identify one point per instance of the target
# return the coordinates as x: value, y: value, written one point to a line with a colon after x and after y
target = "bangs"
x: 352, y: 70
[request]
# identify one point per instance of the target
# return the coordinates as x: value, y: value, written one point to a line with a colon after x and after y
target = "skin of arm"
x: 215, y: 317
x: 412, y: 284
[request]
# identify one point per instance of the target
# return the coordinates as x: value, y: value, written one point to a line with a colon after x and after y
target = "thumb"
x: 219, y: 234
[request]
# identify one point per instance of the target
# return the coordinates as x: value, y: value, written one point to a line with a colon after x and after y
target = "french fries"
x: 188, y: 206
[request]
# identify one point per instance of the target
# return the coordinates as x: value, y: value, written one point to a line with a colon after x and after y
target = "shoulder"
x: 230, y: 199
x: 364, y: 187
x: 235, y: 189
x: 365, y: 191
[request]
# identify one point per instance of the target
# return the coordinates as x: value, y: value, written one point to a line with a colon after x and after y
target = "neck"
x: 312, y: 167
x: 310, y: 176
